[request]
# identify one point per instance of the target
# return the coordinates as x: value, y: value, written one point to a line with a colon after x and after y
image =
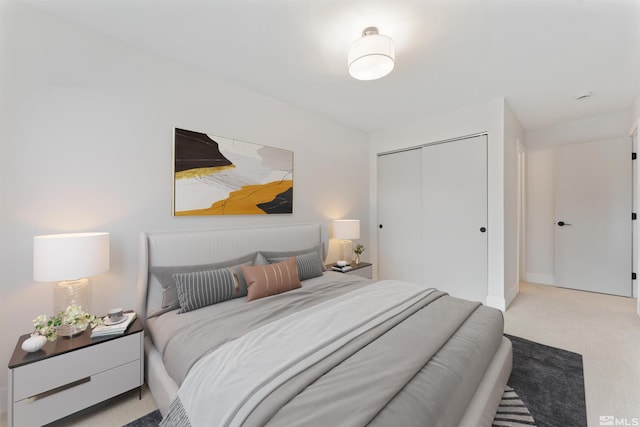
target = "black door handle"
x: 483, y: 229
x: 562, y: 224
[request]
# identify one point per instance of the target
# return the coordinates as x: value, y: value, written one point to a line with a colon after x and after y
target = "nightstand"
x: 363, y: 269
x: 71, y: 374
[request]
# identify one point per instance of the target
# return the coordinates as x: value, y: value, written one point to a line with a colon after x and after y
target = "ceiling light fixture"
x: 372, y: 56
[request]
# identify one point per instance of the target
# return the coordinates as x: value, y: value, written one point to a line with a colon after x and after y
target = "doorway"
x: 593, y: 217
x: 579, y: 226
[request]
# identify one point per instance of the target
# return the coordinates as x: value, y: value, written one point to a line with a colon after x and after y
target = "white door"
x: 399, y: 216
x: 454, y: 215
x: 593, y: 216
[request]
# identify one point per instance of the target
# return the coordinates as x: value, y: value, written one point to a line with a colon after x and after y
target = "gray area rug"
x: 512, y: 411
x: 550, y: 382
x: 152, y: 419
x: 546, y: 389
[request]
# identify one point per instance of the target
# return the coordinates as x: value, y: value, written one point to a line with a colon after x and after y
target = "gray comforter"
x: 420, y: 366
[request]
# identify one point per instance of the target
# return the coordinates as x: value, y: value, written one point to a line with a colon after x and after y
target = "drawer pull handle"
x: 58, y: 389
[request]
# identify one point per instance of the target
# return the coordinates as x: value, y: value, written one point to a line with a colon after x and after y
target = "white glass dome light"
x: 372, y: 56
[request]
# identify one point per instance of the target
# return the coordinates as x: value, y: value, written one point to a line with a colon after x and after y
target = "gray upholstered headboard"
x: 191, y: 247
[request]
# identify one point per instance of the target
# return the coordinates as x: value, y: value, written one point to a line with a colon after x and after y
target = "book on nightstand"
x: 342, y: 269
x: 107, y: 330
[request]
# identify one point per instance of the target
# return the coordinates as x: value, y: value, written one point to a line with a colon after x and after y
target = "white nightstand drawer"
x: 49, y: 407
x: 69, y: 375
x: 36, y: 378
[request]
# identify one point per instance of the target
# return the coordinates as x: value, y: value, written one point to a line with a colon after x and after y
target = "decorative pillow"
x: 309, y: 265
x: 202, y: 288
x: 271, y: 279
x: 264, y: 256
x: 165, y: 277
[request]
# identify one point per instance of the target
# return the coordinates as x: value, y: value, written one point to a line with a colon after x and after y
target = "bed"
x: 336, y: 350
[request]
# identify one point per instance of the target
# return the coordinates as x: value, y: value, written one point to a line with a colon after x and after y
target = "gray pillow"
x: 202, y: 288
x: 263, y: 256
x: 164, y: 275
x: 309, y: 265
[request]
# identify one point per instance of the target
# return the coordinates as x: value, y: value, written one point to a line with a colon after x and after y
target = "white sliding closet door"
x: 432, y: 208
x: 454, y: 216
x: 400, y: 216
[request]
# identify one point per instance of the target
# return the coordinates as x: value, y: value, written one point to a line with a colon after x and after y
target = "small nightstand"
x: 363, y: 269
x: 71, y: 374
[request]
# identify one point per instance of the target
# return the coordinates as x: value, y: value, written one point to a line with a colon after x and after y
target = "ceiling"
x: 538, y: 54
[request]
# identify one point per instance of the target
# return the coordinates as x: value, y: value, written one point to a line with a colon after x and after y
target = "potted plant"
x: 72, y: 321
x: 358, y: 250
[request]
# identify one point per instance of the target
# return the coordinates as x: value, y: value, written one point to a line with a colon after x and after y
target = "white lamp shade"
x: 58, y: 257
x: 346, y: 229
x: 371, y: 57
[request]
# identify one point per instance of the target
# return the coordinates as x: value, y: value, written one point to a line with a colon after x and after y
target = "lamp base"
x: 346, y: 251
x: 71, y: 292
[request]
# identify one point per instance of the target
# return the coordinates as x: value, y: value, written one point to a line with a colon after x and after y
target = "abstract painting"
x: 221, y: 176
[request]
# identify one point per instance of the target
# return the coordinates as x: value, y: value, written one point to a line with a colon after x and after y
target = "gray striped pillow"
x: 309, y: 265
x: 202, y: 288
x: 165, y: 277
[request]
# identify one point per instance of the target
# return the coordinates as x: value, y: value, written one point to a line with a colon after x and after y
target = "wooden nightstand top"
x: 353, y: 265
x: 63, y: 345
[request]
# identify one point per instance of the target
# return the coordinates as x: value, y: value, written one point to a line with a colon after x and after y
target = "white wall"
x: 540, y: 216
x: 513, y: 137
x: 634, y: 114
x: 596, y: 128
x: 486, y: 117
x: 86, y: 138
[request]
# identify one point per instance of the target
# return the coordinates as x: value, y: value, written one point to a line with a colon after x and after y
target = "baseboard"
x: 511, y: 294
x: 543, y: 279
x: 496, y: 302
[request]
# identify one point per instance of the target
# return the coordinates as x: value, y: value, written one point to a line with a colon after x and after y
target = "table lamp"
x: 345, y: 230
x: 70, y: 259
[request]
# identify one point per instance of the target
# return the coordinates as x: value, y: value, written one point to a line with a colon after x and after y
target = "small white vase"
x: 34, y: 343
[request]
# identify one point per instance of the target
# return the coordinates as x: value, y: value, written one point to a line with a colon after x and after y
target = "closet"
x: 432, y: 216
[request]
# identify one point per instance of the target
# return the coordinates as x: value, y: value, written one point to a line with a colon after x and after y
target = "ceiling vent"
x: 583, y: 95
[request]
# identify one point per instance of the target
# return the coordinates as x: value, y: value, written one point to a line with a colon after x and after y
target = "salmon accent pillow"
x: 271, y: 279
